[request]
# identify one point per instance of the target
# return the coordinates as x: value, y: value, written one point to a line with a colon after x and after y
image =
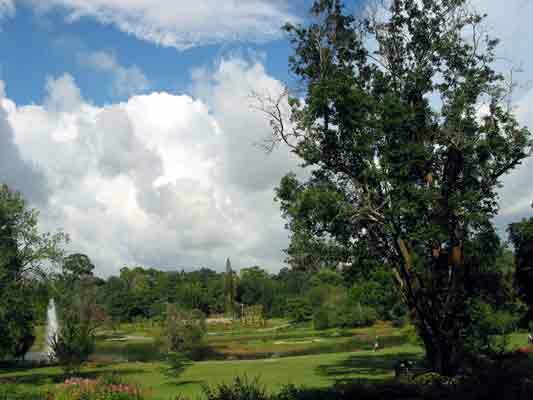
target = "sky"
x: 129, y: 124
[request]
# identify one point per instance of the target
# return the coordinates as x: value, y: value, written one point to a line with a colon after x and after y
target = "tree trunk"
x: 437, y: 305
x: 444, y: 356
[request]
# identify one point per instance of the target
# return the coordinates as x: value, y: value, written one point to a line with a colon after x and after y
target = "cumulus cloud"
x: 509, y: 21
x: 7, y: 9
x: 182, y: 24
x: 161, y: 179
x: 17, y: 172
x: 127, y: 81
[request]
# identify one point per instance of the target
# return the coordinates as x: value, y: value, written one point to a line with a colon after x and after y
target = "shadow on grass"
x: 185, y: 383
x: 361, y: 368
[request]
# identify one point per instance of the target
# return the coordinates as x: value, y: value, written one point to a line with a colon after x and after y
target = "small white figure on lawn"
x: 376, y: 344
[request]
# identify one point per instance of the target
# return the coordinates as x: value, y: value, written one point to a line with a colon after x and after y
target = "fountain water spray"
x: 52, y: 328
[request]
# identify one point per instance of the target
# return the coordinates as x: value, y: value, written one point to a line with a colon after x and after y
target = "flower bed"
x: 98, y: 389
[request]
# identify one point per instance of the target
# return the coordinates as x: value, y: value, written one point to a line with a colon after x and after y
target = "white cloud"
x: 15, y: 170
x: 161, y: 180
x: 127, y: 81
x: 63, y: 94
x: 510, y: 22
x: 7, y: 9
x: 183, y: 24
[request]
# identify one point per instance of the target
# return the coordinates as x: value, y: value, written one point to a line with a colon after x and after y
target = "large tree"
x: 408, y: 132
x: 24, y: 250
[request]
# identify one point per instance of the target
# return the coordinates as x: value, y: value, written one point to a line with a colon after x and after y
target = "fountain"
x: 52, y: 328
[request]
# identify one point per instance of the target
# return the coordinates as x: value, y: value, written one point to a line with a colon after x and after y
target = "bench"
x: 407, y: 369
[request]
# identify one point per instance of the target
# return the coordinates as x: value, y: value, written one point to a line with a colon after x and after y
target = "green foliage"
x: 77, y: 265
x: 327, y: 277
x: 521, y: 236
x: 380, y: 293
x: 242, y: 388
x: 230, y: 289
x: 23, y: 250
x: 255, y: 287
x: 182, y: 330
x: 355, y: 316
x: 73, y: 345
x: 299, y: 309
x: 80, y: 314
x: 11, y: 392
x: 410, y: 333
x: 323, y: 318
x: 410, y: 183
x: 488, y: 331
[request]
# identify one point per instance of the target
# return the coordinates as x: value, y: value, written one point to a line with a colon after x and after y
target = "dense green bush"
x: 499, y: 382
x: 299, y: 309
x: 344, y: 316
x: 183, y: 329
x: 73, y: 346
x: 489, y: 328
x: 351, y: 316
x: 322, y: 319
x: 241, y: 388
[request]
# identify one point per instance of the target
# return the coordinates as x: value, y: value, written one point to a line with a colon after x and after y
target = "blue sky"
x: 129, y: 124
x: 36, y: 46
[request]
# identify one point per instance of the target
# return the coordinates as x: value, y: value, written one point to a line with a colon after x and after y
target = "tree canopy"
x: 24, y: 250
x: 408, y: 130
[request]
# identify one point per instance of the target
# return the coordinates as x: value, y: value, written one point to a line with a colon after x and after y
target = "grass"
x: 278, y: 354
x: 137, y: 341
x: 304, y: 340
x: 313, y: 371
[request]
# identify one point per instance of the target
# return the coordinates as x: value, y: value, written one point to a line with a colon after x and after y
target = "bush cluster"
x: 504, y: 381
x: 344, y: 317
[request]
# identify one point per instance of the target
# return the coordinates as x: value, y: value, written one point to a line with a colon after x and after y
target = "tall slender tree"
x: 408, y: 131
x: 230, y: 289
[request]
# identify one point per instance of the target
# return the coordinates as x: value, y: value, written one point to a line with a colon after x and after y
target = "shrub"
x: 182, y: 336
x: 73, y: 346
x: 182, y: 329
x: 241, y: 388
x: 357, y: 316
x: 488, y: 328
x: 321, y: 319
x: 299, y: 309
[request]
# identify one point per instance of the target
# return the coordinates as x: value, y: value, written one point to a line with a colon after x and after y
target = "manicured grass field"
x: 137, y: 342
x: 278, y: 354
x: 311, y: 371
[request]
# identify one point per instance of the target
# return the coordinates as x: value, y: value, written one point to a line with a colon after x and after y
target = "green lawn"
x: 137, y: 342
x: 310, y: 371
x: 331, y: 356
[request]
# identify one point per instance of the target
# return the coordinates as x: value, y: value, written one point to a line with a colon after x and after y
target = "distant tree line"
x: 144, y: 293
